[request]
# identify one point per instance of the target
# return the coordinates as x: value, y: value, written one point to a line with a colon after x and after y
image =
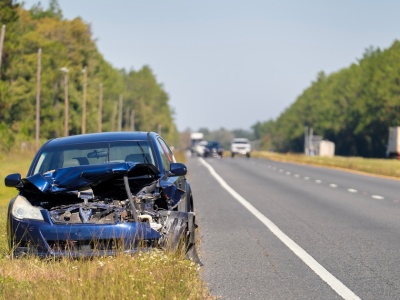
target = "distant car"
x: 199, y: 148
x: 240, y: 146
x: 98, y: 194
x: 213, y: 149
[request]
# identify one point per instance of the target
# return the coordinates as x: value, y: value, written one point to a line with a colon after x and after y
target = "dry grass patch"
x: 146, y: 275
x: 384, y: 167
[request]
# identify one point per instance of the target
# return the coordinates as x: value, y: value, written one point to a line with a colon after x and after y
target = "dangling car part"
x: 100, y: 194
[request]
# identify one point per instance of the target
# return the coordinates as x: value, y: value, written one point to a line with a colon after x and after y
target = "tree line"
x: 353, y: 107
x: 69, y: 45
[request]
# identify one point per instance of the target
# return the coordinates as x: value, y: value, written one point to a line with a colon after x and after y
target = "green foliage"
x: 54, y: 11
x: 352, y: 107
x: 69, y: 44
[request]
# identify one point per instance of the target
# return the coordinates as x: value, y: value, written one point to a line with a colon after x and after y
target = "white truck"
x: 240, y: 146
x: 393, y: 147
x: 196, y: 139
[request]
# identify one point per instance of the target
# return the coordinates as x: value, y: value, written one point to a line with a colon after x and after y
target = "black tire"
x: 232, y: 155
x: 248, y: 155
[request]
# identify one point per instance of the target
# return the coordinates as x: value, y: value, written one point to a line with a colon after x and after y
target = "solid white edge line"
x: 331, y: 280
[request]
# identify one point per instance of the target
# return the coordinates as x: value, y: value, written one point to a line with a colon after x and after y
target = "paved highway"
x: 272, y: 230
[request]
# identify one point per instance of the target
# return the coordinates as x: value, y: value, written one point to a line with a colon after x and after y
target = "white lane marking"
x: 280, y: 171
x: 318, y: 181
x: 296, y: 175
x: 288, y: 173
x: 377, y: 197
x: 331, y: 280
x: 332, y: 185
x: 306, y: 178
x: 352, y: 190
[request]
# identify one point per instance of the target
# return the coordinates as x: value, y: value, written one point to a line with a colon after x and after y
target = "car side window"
x: 166, y: 153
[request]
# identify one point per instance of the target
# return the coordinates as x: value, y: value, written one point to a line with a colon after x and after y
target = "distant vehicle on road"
x: 195, y: 139
x: 240, y: 146
x: 199, y: 148
x: 213, y: 149
x: 393, y: 147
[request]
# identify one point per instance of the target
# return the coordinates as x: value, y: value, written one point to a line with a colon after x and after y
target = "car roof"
x: 100, y: 137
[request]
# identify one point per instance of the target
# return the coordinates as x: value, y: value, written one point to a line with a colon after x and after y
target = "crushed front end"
x: 95, y: 211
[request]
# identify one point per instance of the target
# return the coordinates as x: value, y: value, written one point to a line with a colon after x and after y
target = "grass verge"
x: 382, y: 167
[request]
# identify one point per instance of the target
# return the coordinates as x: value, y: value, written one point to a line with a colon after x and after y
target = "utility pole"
x: 66, y: 104
x: 121, y: 99
x: 3, y: 33
x: 38, y: 99
x: 84, y: 71
x: 114, y: 114
x: 132, y: 121
x: 126, y: 118
x: 99, y: 127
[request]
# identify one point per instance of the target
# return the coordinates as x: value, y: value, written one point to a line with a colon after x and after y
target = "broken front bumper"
x: 44, y: 238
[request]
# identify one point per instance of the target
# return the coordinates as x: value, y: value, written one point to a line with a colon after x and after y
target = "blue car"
x: 99, y: 194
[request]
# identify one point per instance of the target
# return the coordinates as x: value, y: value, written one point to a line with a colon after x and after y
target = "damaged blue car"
x: 101, y: 193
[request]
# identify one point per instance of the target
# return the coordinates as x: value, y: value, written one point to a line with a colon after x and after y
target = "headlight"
x: 22, y: 209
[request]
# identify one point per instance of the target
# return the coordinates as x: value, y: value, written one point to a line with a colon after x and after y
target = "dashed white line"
x: 318, y: 181
x: 288, y: 173
x: 306, y: 178
x: 332, y: 185
x: 377, y: 197
x: 352, y: 190
x: 331, y: 280
x: 296, y: 175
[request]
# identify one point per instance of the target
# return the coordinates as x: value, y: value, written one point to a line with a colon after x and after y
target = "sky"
x: 232, y: 63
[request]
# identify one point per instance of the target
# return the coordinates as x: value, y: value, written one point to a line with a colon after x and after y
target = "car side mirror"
x: 13, y: 180
x: 177, y: 169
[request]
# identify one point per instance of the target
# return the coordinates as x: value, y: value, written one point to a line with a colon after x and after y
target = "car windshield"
x: 212, y: 144
x: 240, y: 141
x: 53, y: 158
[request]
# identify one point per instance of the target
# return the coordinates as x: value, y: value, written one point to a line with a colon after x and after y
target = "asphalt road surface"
x: 273, y: 230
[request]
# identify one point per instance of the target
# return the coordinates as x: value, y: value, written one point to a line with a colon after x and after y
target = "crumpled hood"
x: 83, y: 177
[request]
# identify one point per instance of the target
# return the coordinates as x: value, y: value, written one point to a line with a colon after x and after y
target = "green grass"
x: 145, y: 275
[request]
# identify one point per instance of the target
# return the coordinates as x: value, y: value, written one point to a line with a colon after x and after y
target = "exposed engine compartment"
x: 87, y: 208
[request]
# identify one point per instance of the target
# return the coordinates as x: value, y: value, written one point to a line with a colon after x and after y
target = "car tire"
x: 176, y: 226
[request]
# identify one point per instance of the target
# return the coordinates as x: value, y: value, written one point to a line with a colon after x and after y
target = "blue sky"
x: 232, y: 63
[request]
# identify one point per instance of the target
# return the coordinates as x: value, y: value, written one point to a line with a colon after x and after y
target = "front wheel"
x: 179, y: 236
